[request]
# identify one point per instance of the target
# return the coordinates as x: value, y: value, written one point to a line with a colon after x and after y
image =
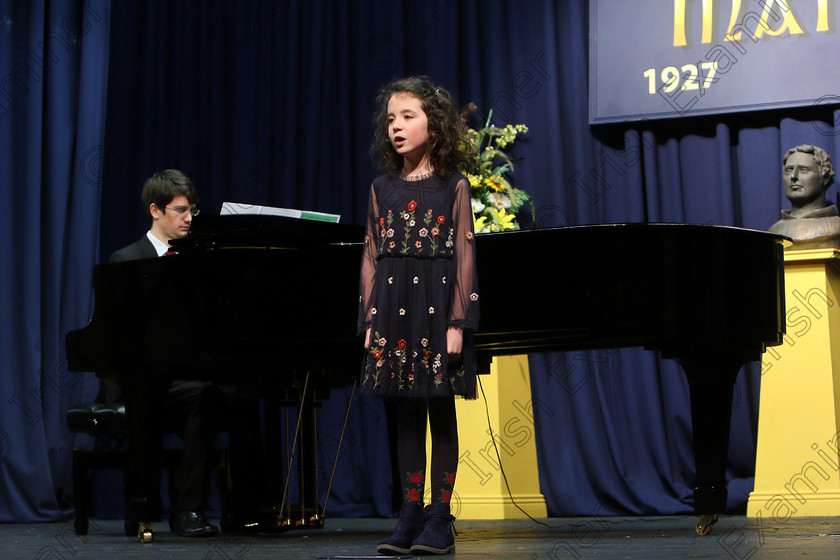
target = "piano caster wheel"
x: 704, y: 526
x: 145, y: 532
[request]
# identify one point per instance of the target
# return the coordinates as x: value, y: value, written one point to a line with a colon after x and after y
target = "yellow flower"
x: 495, y: 182
x: 474, y: 180
x: 506, y: 220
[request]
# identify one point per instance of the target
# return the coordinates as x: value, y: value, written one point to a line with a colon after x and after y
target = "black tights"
x: 411, y: 447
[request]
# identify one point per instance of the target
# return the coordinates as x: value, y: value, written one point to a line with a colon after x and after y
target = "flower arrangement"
x: 495, y: 201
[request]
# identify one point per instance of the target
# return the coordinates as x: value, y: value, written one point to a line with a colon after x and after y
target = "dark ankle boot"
x: 438, y: 534
x: 409, y: 526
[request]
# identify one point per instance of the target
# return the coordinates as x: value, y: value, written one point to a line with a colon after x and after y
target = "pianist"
x: 811, y: 223
x: 193, y: 407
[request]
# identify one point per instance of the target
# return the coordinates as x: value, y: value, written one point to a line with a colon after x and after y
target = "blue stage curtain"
x: 270, y: 103
x: 53, y: 67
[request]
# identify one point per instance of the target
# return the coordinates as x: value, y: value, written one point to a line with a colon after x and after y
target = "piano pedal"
x: 278, y: 519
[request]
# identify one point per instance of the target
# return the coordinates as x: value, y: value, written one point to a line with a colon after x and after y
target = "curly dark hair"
x: 448, y: 148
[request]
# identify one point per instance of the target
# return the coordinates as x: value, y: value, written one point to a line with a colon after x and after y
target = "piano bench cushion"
x: 97, y: 419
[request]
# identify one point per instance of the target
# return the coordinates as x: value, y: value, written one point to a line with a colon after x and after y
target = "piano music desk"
x: 797, y: 460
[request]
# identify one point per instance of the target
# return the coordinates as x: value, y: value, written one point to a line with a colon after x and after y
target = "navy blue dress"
x: 418, y: 278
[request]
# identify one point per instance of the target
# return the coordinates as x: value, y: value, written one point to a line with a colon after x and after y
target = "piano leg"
x: 711, y: 380
x: 144, y: 400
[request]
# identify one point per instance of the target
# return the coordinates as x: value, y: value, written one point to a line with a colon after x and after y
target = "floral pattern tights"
x: 411, y: 447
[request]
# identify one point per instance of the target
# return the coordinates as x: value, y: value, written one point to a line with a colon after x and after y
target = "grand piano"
x: 279, y: 297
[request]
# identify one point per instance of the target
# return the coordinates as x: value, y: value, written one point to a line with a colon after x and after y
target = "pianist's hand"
x: 454, y: 343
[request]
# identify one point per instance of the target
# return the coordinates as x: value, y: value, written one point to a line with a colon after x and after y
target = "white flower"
x: 391, y: 280
x: 416, y: 280
x: 402, y: 311
x: 477, y: 205
x: 431, y: 311
x: 373, y: 311
x: 499, y: 199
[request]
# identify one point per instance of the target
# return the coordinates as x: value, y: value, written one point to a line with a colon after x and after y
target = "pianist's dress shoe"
x: 192, y: 524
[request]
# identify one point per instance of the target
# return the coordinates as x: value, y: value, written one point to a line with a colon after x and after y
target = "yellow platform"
x: 480, y: 490
x: 797, y: 459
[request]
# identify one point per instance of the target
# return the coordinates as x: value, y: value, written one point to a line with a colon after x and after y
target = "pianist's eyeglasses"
x: 181, y: 210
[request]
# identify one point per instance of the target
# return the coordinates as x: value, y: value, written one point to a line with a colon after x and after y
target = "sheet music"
x: 241, y: 208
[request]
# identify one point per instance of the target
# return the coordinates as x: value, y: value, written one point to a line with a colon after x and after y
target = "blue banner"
x: 652, y: 59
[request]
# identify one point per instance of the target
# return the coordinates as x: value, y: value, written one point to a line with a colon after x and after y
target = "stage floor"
x: 734, y: 537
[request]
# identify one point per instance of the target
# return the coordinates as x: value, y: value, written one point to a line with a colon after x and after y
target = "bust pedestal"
x: 480, y: 489
x: 797, y: 459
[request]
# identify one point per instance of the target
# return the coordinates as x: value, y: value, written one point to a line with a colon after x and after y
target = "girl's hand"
x: 367, y: 339
x: 454, y: 343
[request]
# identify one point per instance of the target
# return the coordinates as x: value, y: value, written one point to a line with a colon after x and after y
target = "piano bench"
x: 107, y: 424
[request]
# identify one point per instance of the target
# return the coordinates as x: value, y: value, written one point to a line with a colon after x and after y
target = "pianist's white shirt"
x: 159, y: 245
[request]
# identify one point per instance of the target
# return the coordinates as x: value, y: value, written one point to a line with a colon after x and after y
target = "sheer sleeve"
x: 368, y: 269
x: 464, y: 311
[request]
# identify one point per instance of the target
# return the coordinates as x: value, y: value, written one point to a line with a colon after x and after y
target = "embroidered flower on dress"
x: 391, y: 232
x: 411, y: 206
x: 390, y: 279
x: 373, y: 311
x: 473, y: 296
x: 431, y: 311
x: 402, y: 311
x: 402, y: 344
x: 470, y: 235
x: 423, y: 232
x: 435, y: 231
x: 418, y: 244
x: 443, y: 279
x: 416, y: 280
x: 441, y: 219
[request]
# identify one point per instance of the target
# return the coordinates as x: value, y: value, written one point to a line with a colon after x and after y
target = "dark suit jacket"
x: 140, y: 249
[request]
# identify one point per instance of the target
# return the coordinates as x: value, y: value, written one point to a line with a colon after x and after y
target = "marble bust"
x: 810, y: 223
